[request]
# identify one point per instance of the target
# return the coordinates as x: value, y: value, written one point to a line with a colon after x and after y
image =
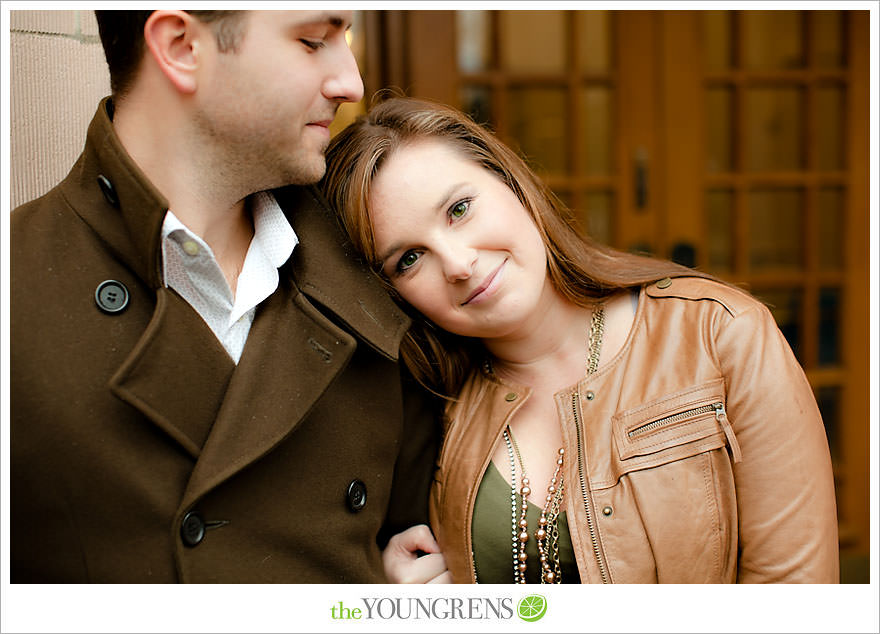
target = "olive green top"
x: 493, y: 549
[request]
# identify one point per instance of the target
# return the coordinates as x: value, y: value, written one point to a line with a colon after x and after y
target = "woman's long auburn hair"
x: 580, y: 268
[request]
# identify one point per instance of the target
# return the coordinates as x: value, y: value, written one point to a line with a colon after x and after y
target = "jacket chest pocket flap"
x: 674, y: 427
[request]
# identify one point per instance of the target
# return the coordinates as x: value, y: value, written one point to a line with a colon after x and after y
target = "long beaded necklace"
x: 547, y: 533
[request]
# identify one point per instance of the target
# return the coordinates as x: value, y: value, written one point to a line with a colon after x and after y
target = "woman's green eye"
x: 459, y: 209
x: 407, y: 260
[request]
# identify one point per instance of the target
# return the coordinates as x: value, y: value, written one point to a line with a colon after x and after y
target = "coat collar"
x: 323, y: 265
x: 326, y: 268
x: 116, y: 199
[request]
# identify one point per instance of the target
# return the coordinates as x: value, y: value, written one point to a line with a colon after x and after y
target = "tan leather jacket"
x: 700, y: 453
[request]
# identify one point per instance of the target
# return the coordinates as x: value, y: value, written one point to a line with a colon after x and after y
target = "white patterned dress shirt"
x: 192, y: 270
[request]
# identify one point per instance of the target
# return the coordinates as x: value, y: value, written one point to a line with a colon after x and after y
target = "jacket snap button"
x: 607, y: 511
x: 111, y: 296
x: 590, y: 396
x: 192, y: 529
x: 511, y: 396
x: 108, y: 190
x: 356, y: 496
x: 664, y: 283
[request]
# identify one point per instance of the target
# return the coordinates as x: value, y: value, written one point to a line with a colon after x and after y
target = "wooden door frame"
x: 854, y: 507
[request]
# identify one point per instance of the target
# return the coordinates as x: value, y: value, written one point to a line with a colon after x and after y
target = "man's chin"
x: 306, y: 174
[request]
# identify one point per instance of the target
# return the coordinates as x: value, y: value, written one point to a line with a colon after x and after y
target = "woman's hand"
x: 404, y: 565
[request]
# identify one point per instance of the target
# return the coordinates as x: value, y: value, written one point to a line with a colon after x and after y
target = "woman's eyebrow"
x: 445, y: 198
x: 440, y: 206
x: 389, y: 251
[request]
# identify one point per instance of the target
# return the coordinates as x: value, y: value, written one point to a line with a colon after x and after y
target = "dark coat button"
x: 356, y: 496
x: 111, y: 296
x: 192, y: 529
x: 108, y: 190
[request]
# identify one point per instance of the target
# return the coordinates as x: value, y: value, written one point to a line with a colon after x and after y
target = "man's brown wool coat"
x: 134, y: 435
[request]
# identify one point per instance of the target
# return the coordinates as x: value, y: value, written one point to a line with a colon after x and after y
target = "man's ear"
x: 173, y: 38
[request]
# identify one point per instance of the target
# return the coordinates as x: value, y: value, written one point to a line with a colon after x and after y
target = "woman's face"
x: 456, y: 242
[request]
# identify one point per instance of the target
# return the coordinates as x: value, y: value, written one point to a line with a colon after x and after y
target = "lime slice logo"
x: 532, y: 607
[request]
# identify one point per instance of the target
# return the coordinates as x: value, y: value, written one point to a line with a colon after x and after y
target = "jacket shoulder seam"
x: 734, y: 300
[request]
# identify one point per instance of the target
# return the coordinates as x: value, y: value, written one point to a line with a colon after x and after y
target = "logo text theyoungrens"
x: 441, y: 608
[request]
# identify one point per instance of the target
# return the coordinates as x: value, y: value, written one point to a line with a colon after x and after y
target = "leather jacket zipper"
x: 660, y: 422
x: 584, y: 494
x: 716, y: 408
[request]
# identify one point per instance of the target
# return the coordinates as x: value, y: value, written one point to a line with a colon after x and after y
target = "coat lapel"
x: 292, y: 355
x: 177, y: 373
x: 302, y: 338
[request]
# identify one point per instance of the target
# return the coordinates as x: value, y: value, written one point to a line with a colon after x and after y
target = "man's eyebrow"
x: 333, y: 19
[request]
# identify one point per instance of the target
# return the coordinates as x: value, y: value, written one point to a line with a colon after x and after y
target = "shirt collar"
x: 272, y: 230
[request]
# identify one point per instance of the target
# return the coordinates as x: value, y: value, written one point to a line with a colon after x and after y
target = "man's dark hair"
x: 122, y: 35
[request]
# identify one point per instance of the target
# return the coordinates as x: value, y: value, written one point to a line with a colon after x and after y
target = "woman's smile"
x: 487, y: 289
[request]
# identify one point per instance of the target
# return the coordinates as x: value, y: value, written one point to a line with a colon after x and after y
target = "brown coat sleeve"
x: 414, y: 469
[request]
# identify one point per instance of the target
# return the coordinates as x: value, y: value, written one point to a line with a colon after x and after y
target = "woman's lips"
x: 487, y: 288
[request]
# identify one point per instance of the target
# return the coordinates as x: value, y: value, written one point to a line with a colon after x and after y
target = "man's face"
x: 267, y: 107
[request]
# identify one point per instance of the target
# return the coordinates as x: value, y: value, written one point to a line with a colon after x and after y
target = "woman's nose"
x: 458, y: 262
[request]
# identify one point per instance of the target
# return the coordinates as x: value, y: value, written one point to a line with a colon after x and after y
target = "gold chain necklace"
x: 547, y: 533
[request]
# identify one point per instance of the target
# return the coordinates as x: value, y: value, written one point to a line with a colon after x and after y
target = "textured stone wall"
x: 57, y: 75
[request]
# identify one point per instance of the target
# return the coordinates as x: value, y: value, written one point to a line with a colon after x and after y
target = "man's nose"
x: 344, y: 83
